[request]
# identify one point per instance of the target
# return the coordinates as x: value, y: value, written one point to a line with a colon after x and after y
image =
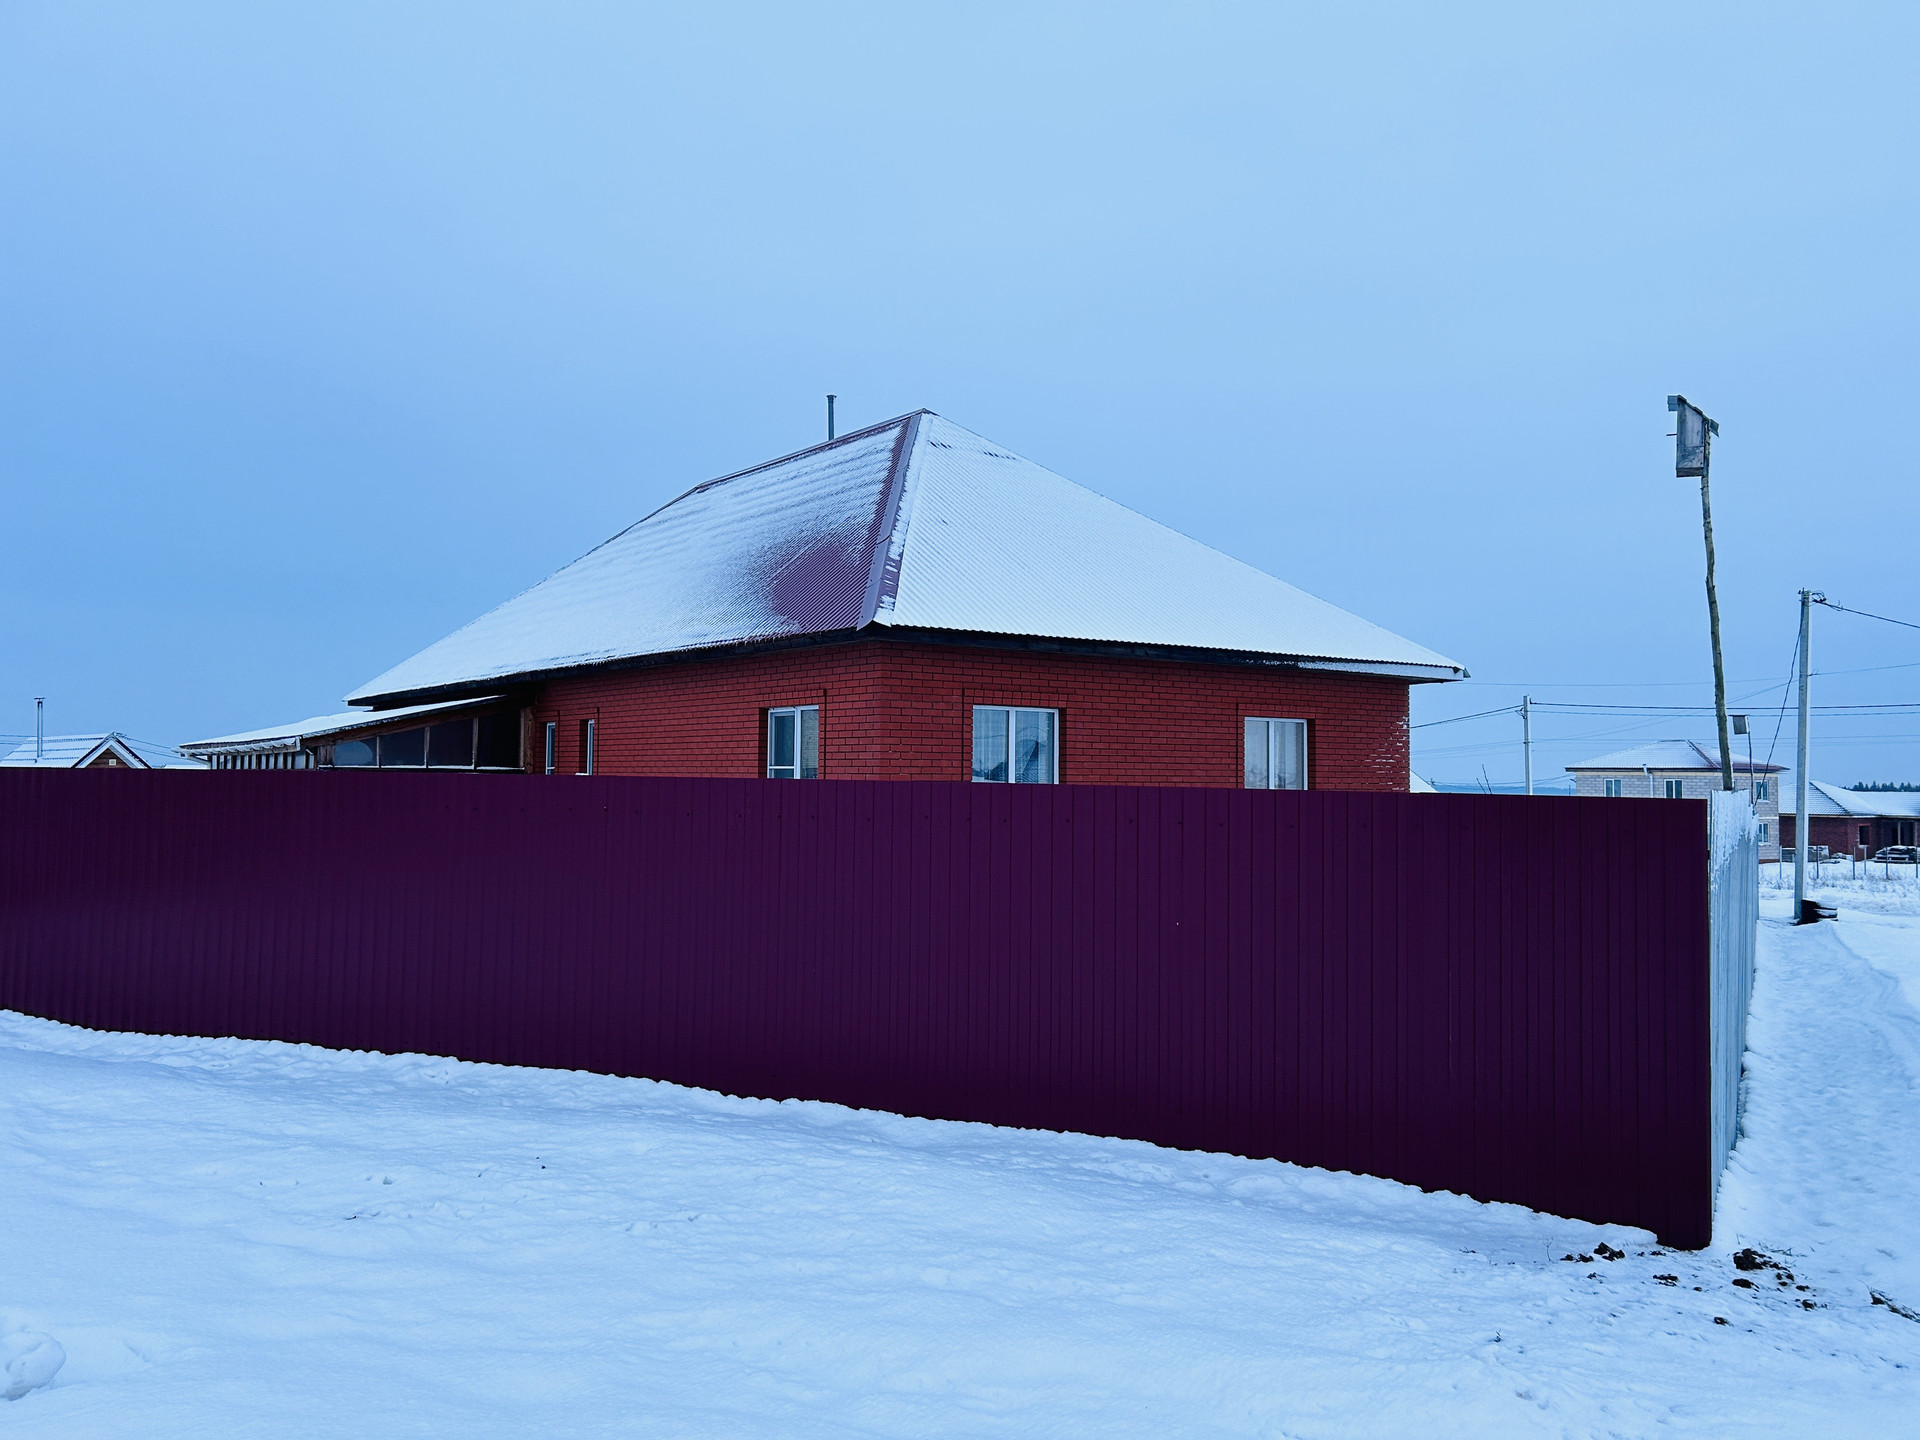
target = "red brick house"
x: 909, y: 601
x: 1855, y: 822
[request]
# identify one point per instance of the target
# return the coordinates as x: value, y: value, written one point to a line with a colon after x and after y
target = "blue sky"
x: 323, y: 329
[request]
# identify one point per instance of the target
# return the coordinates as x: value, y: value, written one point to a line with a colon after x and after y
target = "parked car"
x: 1899, y: 855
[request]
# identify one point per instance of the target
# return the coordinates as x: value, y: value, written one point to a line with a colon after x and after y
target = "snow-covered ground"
x: 230, y: 1238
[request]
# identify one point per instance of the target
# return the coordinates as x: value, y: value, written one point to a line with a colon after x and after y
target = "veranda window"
x: 1016, y: 746
x: 1276, y: 754
x: 793, y: 743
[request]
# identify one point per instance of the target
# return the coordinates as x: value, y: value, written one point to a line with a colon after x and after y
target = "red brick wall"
x: 1841, y: 833
x: 901, y: 711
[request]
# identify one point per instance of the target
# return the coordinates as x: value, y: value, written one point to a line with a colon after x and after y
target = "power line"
x: 1456, y: 719
x: 1786, y: 687
x: 1831, y: 605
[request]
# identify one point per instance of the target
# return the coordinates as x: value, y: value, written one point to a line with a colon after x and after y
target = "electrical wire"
x: 1456, y: 719
x: 1849, y: 610
x: 1792, y: 665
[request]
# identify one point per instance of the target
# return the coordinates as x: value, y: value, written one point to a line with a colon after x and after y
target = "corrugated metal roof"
x: 273, y: 738
x: 918, y: 524
x: 68, y: 752
x: 1670, y: 755
x: 1825, y: 799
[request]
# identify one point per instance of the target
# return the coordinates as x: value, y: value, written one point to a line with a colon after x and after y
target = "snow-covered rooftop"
x: 1825, y: 799
x: 1670, y: 755
x: 76, y: 752
x: 915, y: 524
x: 290, y: 736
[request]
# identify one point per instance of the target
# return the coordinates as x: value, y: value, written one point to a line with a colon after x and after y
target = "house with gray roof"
x: 1682, y: 769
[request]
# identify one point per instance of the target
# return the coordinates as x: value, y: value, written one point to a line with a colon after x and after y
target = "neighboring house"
x: 909, y: 601
x: 1680, y: 769
x: 112, y: 751
x: 1849, y: 821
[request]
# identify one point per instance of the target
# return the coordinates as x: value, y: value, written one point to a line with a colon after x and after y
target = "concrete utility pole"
x: 1693, y: 455
x: 1526, y: 736
x: 1800, y: 767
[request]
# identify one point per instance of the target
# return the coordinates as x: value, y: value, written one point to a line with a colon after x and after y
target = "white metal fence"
x: 1733, y: 859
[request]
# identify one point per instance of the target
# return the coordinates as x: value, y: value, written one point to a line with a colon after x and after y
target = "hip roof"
x: 916, y: 524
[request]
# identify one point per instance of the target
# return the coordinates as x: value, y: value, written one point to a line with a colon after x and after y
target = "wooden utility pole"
x: 1693, y: 453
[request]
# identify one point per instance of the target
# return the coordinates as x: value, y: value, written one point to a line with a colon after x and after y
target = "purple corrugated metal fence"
x: 1495, y: 995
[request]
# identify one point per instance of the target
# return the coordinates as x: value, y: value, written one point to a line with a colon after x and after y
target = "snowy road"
x: 232, y: 1238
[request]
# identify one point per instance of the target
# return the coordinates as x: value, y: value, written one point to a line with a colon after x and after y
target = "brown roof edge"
x: 889, y: 634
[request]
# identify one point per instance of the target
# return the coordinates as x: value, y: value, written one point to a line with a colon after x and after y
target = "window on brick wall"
x: 1613, y: 788
x: 1275, y: 754
x: 1763, y: 832
x: 793, y: 743
x: 587, y: 738
x: 1676, y: 789
x: 1761, y: 788
x: 1016, y: 746
x: 553, y: 745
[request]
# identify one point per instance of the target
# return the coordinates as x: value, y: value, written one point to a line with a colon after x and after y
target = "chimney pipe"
x: 830, y: 400
x: 39, y: 728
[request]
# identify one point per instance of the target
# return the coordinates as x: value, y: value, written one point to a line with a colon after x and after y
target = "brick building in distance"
x: 1683, y: 770
x: 906, y: 602
x: 1859, y: 823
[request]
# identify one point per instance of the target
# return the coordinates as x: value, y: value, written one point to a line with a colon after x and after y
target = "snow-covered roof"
x: 276, y: 738
x: 76, y: 752
x: 916, y: 524
x: 1671, y: 755
x: 1825, y: 799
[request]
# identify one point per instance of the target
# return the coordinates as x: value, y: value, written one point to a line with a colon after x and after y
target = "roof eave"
x: 491, y: 687
x: 291, y: 740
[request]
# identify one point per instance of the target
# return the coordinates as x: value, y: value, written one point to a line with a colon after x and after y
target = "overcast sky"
x: 325, y: 328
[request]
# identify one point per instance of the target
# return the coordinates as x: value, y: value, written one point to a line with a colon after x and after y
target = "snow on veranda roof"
x: 916, y: 524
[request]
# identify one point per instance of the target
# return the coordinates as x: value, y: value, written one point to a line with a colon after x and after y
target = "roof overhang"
x: 294, y: 736
x: 481, y: 691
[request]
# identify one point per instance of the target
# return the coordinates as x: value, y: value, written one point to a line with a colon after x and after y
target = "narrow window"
x: 553, y: 743
x: 1760, y: 790
x: 587, y: 728
x: 1614, y: 787
x: 1016, y: 746
x: 1676, y: 789
x: 450, y: 745
x: 793, y: 742
x: 405, y: 749
x: 498, y: 743
x: 1275, y: 754
x: 1865, y: 832
x: 1763, y: 832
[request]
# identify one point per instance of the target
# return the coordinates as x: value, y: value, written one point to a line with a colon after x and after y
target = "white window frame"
x: 1273, y: 768
x: 553, y: 745
x: 1763, y: 834
x: 586, y: 750
x: 799, y: 714
x: 1760, y: 788
x: 1613, y: 787
x: 1677, y: 789
x: 1011, y: 711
